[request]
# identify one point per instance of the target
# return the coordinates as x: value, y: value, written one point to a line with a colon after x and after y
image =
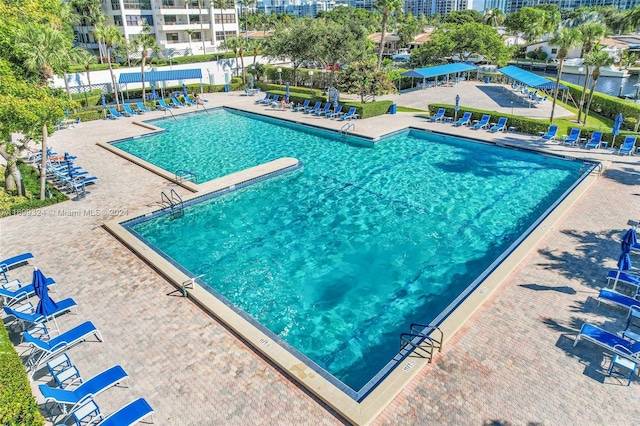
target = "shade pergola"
x: 439, y: 70
x: 155, y: 76
x: 528, y: 78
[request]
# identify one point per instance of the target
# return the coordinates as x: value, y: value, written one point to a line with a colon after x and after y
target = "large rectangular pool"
x: 338, y: 258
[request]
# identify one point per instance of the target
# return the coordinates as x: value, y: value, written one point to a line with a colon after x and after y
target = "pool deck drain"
x: 511, y: 362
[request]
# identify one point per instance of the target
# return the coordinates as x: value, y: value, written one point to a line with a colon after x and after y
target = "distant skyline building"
x: 511, y: 6
x: 297, y: 8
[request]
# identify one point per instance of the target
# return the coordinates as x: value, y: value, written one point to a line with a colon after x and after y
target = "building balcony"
x: 170, y: 26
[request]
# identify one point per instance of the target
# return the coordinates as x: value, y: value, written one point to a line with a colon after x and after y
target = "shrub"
x: 542, y: 55
x: 17, y: 404
x: 606, y: 105
x: 11, y: 204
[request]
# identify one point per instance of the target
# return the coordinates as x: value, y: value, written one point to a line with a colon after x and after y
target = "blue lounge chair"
x: 551, y: 133
x: 501, y: 125
x: 349, y: 115
x: 12, y: 296
x: 623, y: 277
x: 335, y: 113
x: 324, y: 110
x: 313, y: 109
x: 99, y: 383
x: 142, y: 108
x: 274, y: 101
x: 628, y: 146
x: 29, y: 316
x: 162, y: 105
x: 114, y: 114
x: 130, y: 414
x: 128, y: 111
x: 13, y: 262
x: 439, y: 115
x: 188, y: 101
x: 573, y: 138
x: 595, y: 141
x: 176, y: 103
x: 618, y: 299
x: 301, y: 107
x: 609, y: 341
x: 45, y: 350
x: 464, y: 120
x: 484, y: 122
x: 267, y: 97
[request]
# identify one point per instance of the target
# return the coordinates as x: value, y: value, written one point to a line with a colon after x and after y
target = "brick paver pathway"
x: 512, y: 364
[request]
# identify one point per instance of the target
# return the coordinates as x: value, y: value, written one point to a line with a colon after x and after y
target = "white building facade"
x: 181, y: 27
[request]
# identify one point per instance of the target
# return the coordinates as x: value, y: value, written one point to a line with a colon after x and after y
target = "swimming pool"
x: 339, y: 258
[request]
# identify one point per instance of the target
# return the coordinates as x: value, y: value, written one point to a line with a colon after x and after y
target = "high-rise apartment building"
x: 180, y: 26
x: 297, y: 8
x: 510, y: 6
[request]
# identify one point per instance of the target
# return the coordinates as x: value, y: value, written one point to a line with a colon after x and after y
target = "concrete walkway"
x: 513, y: 363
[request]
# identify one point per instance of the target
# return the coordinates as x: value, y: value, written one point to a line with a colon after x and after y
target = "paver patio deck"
x: 512, y: 363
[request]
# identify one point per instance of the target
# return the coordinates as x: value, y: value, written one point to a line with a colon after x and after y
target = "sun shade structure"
x: 154, y: 76
x: 528, y: 78
x: 439, y: 70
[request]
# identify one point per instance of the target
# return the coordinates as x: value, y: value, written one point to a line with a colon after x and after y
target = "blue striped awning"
x: 440, y: 70
x: 154, y: 76
x: 528, y: 78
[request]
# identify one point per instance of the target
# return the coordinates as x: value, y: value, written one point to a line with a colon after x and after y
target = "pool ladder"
x: 172, y: 202
x: 347, y: 128
x: 421, y: 338
x: 182, y: 175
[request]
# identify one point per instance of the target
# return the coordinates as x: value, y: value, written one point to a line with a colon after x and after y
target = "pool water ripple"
x: 337, y: 259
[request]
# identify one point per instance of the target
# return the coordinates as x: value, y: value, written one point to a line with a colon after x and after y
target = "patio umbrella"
x: 184, y: 90
x: 46, y: 306
x: 457, y: 108
x: 251, y: 81
x: 624, y: 261
x: 104, y: 104
x: 154, y: 94
x: 616, y: 127
x: 286, y: 91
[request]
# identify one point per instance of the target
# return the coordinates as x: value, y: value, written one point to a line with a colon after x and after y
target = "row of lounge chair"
x: 67, y: 176
x: 127, y: 110
x: 625, y: 345
x: 627, y: 147
x: 465, y: 120
x: 318, y: 109
x: 70, y: 394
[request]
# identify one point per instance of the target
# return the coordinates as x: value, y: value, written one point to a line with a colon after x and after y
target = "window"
x: 138, y: 21
x: 196, y: 36
x: 167, y: 3
x: 117, y: 20
x: 115, y: 5
x: 219, y: 34
x: 170, y: 19
x: 172, y: 37
x: 137, y: 4
x: 554, y: 51
x: 228, y: 18
x: 194, y: 19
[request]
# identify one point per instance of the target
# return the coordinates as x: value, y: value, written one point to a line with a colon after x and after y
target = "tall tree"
x: 364, y: 79
x: 597, y: 58
x: 146, y: 43
x: 190, y: 34
x: 386, y: 7
x: 564, y: 38
x: 494, y: 17
x: 87, y: 60
x: 590, y: 33
x: 45, y: 51
x: 109, y: 36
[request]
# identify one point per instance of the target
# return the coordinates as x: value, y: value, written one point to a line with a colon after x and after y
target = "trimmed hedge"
x: 17, y: 405
x: 11, y: 204
x: 608, y: 106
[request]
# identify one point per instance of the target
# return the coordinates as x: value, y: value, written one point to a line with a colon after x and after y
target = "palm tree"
x: 597, y: 58
x: 109, y: 36
x: 190, y: 34
x: 237, y: 44
x: 494, y: 17
x: 146, y: 42
x: 255, y: 45
x: 564, y: 38
x: 44, y: 51
x: 386, y: 7
x: 590, y: 32
x: 87, y: 60
x: 244, y: 7
x: 233, y: 45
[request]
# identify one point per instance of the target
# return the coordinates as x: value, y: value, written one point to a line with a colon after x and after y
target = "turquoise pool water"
x: 338, y: 258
